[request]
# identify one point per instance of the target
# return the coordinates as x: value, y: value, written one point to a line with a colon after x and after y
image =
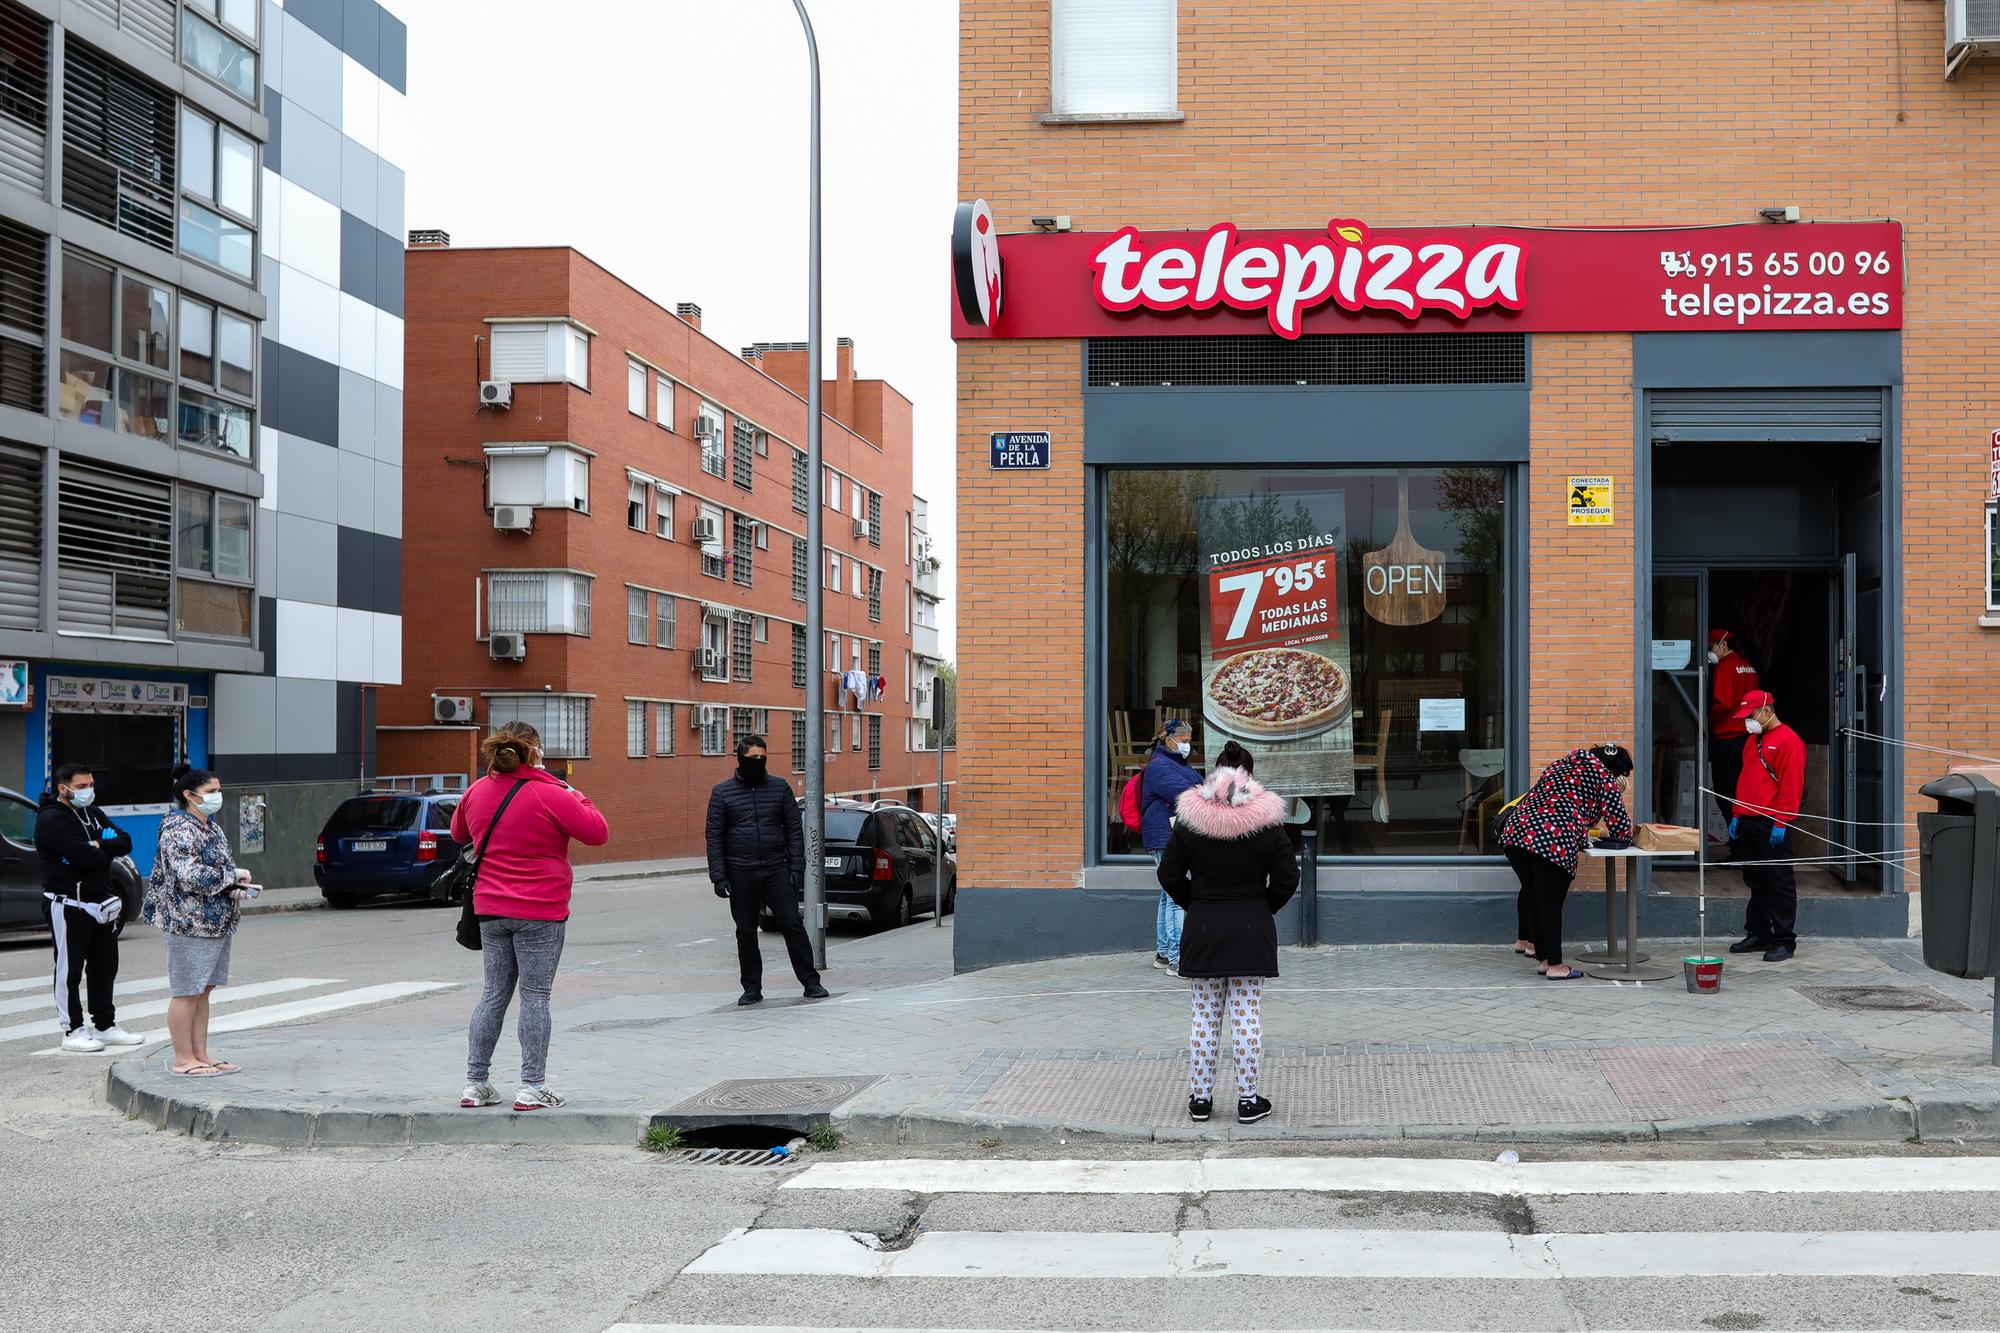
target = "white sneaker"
x: 81, y: 1040
x: 479, y: 1094
x: 537, y: 1099
x: 117, y: 1036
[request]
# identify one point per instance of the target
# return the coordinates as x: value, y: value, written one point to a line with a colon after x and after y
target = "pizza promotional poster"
x: 1274, y: 656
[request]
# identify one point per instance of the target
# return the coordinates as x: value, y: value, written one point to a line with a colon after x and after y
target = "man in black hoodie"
x: 757, y: 860
x: 82, y: 907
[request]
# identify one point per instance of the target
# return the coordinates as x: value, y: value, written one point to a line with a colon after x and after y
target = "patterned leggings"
x: 1241, y: 999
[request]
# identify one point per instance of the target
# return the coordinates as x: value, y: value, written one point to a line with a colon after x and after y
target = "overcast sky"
x: 667, y: 140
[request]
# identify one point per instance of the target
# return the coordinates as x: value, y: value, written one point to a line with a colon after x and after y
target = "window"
x: 637, y: 627
x: 855, y: 730
x: 708, y: 432
x: 874, y: 519
x: 742, y: 650
x: 563, y: 720
x: 663, y: 513
x: 1993, y: 557
x: 218, y: 377
x: 663, y: 728
x: 540, y: 352
x: 213, y: 542
x: 874, y: 594
x: 1383, y: 785
x: 21, y: 542
x: 743, y: 556
x: 833, y: 570
x: 635, y: 729
x: 635, y: 388
x: 858, y: 584
x: 743, y: 453
x: 24, y: 312
x: 799, y: 569
x: 874, y: 740
x: 714, y: 646
x: 714, y: 729
x: 663, y: 401
x: 874, y: 659
x: 711, y: 546
x: 742, y: 723
x: 854, y: 499
x: 798, y: 657
x: 799, y: 479
x: 118, y: 147
x: 1113, y: 58
x: 213, y: 51
x: 665, y: 628
x: 537, y: 601
x: 763, y: 629
x: 635, y: 504
x: 114, y: 552
x: 219, y: 193
x: 539, y: 476
x: 798, y: 743
x: 116, y: 332
x: 923, y: 611
x: 830, y: 482
x: 833, y: 652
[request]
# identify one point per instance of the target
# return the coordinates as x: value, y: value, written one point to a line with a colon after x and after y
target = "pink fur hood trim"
x: 1229, y: 805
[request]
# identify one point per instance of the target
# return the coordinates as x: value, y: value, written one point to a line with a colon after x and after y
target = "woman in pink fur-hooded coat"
x: 1230, y: 865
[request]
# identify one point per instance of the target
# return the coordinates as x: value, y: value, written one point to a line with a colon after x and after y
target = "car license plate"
x: 836, y: 863
x: 371, y: 845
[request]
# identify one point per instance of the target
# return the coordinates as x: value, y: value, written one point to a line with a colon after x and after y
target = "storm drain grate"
x: 734, y: 1157
x: 760, y: 1096
x: 1878, y: 999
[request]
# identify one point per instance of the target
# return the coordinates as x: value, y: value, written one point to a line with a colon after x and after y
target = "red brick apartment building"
x: 605, y: 517
x: 1602, y: 325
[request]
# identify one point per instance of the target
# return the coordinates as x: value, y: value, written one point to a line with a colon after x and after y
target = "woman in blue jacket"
x: 1168, y: 773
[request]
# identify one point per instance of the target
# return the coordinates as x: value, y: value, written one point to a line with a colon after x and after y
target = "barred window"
x: 798, y: 743
x: 714, y: 730
x: 741, y: 647
x: 799, y: 569
x: 663, y: 728
x: 635, y: 615
x: 537, y: 602
x: 798, y: 657
x: 708, y: 430
x: 743, y: 538
x: 874, y: 740
x: 635, y: 729
x: 874, y: 519
x: 799, y: 481
x: 743, y: 458
x: 874, y: 659
x: 711, y: 546
x: 742, y: 722
x: 562, y: 719
x: 874, y: 594
x: 665, y: 629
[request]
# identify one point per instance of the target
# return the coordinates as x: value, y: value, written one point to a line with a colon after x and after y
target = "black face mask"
x: 750, y: 769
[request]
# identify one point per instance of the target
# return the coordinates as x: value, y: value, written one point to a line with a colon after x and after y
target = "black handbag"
x: 459, y: 881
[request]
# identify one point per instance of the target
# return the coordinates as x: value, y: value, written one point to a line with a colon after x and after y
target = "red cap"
x: 1753, y: 701
x: 1716, y: 636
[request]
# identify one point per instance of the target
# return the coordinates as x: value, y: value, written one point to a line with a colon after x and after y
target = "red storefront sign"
x: 1350, y: 278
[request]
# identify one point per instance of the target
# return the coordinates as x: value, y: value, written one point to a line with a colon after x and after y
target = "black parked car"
x: 21, y: 868
x: 385, y: 842
x: 883, y: 865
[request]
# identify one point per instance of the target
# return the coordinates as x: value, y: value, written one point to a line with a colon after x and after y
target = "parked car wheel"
x: 899, y: 914
x: 131, y: 890
x: 339, y: 902
x: 951, y: 897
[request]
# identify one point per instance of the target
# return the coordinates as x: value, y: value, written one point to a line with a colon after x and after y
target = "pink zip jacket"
x: 526, y: 874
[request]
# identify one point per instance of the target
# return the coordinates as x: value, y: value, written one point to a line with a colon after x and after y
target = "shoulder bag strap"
x: 498, y: 811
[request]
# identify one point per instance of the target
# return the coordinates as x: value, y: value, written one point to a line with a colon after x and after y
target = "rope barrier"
x: 1859, y: 734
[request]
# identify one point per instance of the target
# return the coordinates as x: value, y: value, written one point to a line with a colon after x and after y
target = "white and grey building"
x: 201, y: 358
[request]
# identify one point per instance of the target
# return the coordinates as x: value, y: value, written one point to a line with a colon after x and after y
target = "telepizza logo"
x: 1288, y: 280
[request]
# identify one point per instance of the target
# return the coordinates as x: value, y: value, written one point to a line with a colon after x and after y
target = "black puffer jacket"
x: 1231, y: 866
x: 754, y: 831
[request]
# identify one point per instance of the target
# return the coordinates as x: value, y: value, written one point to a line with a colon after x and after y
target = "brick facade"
x: 655, y: 802
x: 1512, y: 113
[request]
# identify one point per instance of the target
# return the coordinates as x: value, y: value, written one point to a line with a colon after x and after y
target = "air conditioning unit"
x: 921, y: 697
x: 1971, y: 28
x: 514, y: 518
x: 708, y: 661
x: 507, y: 647
x: 451, y: 708
x: 861, y: 528
x: 707, y: 428
x: 707, y: 532
x: 496, y: 393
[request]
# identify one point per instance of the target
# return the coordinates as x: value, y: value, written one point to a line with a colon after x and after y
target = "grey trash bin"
x: 1959, y: 875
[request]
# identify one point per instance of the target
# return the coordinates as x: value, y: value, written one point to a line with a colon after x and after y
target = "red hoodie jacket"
x: 1758, y: 792
x: 1727, y: 684
x: 526, y: 873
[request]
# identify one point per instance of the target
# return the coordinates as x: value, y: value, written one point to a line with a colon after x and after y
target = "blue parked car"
x: 384, y: 843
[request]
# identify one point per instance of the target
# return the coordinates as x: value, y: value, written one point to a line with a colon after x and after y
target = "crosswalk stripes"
x: 43, y: 1026
x: 46, y: 985
x: 268, y: 1015
x: 229, y: 1014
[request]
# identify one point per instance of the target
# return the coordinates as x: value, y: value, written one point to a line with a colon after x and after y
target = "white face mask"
x: 210, y: 803
x: 1713, y: 657
x: 81, y: 797
x: 1752, y: 725
x: 1183, y: 748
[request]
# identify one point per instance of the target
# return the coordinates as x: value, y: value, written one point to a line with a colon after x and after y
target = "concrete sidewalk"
x: 1854, y: 1040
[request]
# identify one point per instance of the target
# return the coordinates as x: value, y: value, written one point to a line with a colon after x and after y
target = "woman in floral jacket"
x: 194, y: 896
x: 1546, y: 834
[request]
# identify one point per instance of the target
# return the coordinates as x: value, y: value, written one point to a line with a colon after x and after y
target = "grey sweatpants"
x: 523, y: 952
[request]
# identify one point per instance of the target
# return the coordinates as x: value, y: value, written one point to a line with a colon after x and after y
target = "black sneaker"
x: 1748, y: 944
x: 750, y: 997
x: 817, y: 992
x: 1250, y: 1111
x: 1780, y: 953
x: 1200, y: 1108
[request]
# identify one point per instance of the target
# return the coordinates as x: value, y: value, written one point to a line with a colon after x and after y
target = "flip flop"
x: 197, y: 1071
x: 224, y: 1067
x: 1525, y: 953
x: 1567, y: 974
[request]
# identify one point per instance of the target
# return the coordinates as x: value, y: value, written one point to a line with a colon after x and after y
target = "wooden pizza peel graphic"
x: 1403, y: 583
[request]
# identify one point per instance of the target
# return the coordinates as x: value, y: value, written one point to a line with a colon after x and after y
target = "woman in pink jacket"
x: 521, y: 900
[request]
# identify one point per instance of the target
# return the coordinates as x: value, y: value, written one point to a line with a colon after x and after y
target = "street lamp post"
x: 815, y: 795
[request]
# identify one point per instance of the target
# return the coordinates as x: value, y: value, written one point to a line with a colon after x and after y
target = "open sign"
x: 1382, y: 580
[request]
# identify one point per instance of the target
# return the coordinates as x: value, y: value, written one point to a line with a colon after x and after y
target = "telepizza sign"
x: 1350, y: 277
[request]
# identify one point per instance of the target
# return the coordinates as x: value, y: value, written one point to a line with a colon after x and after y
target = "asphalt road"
x: 111, y: 1225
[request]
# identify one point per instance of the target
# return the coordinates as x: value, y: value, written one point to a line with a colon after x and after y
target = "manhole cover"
x: 756, y: 1096
x: 1871, y: 999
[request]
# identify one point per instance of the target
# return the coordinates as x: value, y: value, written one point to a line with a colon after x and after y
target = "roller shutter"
x: 1765, y: 416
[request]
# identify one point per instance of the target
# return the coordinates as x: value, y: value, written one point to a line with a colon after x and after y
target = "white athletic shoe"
x: 81, y: 1041
x: 117, y: 1036
x: 537, y: 1099
x: 479, y: 1094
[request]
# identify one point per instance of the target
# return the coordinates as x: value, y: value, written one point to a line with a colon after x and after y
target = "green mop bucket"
x: 1703, y: 975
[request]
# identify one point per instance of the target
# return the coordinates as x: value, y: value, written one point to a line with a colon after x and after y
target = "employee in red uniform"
x: 1767, y: 801
x: 1730, y: 678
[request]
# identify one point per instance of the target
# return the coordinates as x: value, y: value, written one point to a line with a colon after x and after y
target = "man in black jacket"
x: 82, y: 907
x: 757, y: 860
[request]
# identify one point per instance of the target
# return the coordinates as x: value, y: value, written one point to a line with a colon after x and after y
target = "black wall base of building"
x: 1000, y: 926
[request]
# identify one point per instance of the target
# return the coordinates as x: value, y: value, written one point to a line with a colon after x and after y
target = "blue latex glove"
x: 107, y: 833
x: 1732, y: 830
x: 1778, y: 835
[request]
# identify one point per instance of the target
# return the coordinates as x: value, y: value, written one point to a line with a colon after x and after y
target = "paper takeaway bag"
x: 1667, y: 838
